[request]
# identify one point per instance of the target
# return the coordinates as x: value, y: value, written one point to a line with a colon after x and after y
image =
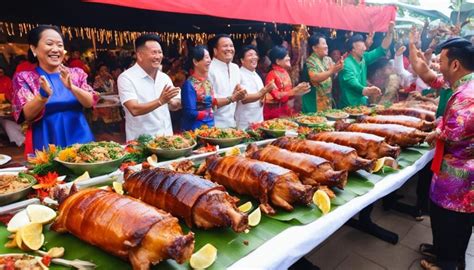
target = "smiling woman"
x: 50, y: 99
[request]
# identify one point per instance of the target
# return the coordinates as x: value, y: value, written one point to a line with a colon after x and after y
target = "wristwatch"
x: 230, y: 99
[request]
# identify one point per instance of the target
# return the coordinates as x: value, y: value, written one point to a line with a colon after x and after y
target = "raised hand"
x: 168, y: 93
x: 44, y: 84
x: 268, y: 88
x: 337, y: 67
x: 65, y: 77
x: 400, y: 51
x: 239, y: 93
x: 302, y: 88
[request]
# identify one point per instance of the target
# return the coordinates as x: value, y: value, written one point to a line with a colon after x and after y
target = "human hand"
x: 45, y: 87
x: 268, y: 88
x: 391, y: 27
x: 337, y: 67
x: 239, y: 93
x: 372, y: 91
x: 168, y: 93
x: 369, y: 40
x: 302, y: 88
x: 400, y: 51
x: 65, y: 77
x: 431, y: 138
x: 413, y: 36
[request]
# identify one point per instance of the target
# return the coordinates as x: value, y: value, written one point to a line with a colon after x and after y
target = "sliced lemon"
x: 40, y: 214
x: 56, y: 252
x: 19, y: 220
x: 322, y: 201
x: 254, y: 217
x: 31, y: 236
x: 118, y: 187
x: 379, y: 164
x: 152, y: 160
x: 18, y: 240
x: 204, y: 257
x: 234, y: 151
x: 245, y: 207
x: 84, y: 176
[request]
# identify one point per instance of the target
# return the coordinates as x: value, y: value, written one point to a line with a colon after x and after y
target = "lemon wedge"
x: 322, y: 201
x: 118, y: 187
x: 254, y: 217
x: 245, y: 207
x: 84, y: 176
x: 379, y: 164
x: 234, y: 151
x: 204, y: 257
x: 152, y: 160
x: 31, y: 236
x: 40, y: 214
x: 19, y: 220
x: 18, y: 239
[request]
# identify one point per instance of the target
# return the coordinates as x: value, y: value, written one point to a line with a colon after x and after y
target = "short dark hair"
x: 277, y: 53
x: 245, y: 49
x: 353, y: 39
x: 141, y: 40
x: 465, y: 56
x: 197, y: 53
x: 314, y: 39
x: 34, y: 37
x: 215, y: 40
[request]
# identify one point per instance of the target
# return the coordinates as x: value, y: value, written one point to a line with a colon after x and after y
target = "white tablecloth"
x: 286, y: 248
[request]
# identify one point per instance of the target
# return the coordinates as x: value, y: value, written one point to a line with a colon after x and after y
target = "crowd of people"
x: 210, y: 89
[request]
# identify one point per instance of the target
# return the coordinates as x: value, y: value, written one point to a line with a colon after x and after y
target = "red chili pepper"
x: 46, y: 260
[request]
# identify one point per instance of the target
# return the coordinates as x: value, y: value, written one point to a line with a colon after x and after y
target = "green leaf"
x: 359, y: 187
x: 342, y: 197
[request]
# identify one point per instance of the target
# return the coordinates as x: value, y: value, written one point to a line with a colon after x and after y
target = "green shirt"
x: 444, y: 96
x: 353, y: 78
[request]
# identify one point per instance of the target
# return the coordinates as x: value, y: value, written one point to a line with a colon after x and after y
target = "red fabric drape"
x: 320, y: 13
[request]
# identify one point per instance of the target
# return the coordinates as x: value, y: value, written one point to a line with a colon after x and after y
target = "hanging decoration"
x: 114, y: 37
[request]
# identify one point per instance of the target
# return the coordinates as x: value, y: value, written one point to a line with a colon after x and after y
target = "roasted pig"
x: 393, y: 134
x: 124, y: 227
x: 198, y: 201
x: 415, y: 112
x: 311, y: 170
x: 267, y: 182
x: 368, y: 146
x: 408, y: 121
x: 342, y: 157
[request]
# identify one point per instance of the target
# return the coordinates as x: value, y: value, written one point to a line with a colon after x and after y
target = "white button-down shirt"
x: 246, y: 114
x: 135, y: 83
x: 224, y: 77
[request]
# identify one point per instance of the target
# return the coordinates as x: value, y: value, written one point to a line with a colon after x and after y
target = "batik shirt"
x: 320, y: 97
x: 453, y: 186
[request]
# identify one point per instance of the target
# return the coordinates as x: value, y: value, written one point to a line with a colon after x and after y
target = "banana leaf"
x: 230, y: 246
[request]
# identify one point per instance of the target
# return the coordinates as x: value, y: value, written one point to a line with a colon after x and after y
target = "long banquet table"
x: 286, y: 248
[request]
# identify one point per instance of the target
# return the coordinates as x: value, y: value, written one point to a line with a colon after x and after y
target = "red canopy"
x: 320, y: 13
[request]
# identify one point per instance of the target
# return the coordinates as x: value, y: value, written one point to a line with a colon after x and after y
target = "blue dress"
x: 197, y: 101
x: 63, y: 122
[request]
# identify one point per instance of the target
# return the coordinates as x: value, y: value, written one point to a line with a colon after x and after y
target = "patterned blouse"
x: 452, y: 186
x: 26, y: 86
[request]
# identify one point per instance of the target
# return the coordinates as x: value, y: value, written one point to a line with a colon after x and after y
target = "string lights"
x: 114, y: 37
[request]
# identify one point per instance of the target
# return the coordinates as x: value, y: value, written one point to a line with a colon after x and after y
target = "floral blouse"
x: 452, y: 186
x: 26, y: 86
